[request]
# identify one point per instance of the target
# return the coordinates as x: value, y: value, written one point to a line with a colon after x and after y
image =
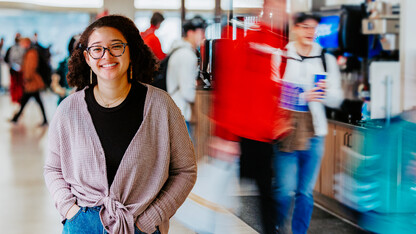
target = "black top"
x: 117, y: 126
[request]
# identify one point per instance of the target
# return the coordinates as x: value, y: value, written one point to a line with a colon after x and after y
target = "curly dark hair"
x: 142, y: 59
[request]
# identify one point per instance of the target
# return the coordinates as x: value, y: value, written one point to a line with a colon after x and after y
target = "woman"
x: 120, y: 158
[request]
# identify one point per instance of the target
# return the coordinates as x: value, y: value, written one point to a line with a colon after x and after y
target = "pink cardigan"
x: 155, y: 176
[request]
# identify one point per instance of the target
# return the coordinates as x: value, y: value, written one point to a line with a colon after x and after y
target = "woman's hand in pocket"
x: 72, y: 211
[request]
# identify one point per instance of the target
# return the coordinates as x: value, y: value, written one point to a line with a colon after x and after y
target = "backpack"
x: 322, y: 57
x: 14, y: 56
x: 159, y: 80
x: 44, y: 69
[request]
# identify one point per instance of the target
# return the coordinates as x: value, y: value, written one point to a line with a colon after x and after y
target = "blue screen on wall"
x: 327, y: 32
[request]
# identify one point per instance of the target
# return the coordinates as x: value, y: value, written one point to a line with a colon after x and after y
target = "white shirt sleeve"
x: 334, y: 92
x: 183, y: 69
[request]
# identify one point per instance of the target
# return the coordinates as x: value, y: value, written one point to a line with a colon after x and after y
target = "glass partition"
x: 54, y: 29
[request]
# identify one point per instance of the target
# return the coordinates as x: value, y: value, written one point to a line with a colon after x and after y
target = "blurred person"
x: 182, y: 69
x: 246, y: 100
x: 150, y: 38
x: 1, y: 62
x: 59, y: 84
x: 32, y: 81
x: 13, y: 58
x: 120, y: 159
x: 298, y: 156
x: 1, y: 46
x: 44, y: 56
x: 35, y: 39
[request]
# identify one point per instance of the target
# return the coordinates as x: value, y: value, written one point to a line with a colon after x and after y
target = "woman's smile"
x: 109, y: 65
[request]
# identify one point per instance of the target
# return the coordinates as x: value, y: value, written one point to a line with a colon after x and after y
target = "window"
x: 200, y: 4
x: 242, y: 4
x: 47, y: 25
x: 169, y: 31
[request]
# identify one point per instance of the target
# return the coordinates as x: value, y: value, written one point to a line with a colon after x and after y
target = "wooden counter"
x: 203, y: 125
x: 340, y: 135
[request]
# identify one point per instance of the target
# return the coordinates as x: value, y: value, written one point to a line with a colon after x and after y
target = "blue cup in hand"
x: 319, y: 77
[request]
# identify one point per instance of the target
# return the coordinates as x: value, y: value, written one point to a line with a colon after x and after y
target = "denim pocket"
x: 137, y: 230
x: 75, y: 216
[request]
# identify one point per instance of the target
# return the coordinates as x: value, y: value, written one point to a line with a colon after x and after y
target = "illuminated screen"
x: 327, y: 32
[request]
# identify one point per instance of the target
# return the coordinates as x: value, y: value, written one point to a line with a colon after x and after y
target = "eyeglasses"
x: 116, y: 50
x: 306, y: 27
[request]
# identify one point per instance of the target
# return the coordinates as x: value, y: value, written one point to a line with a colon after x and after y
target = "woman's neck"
x: 111, y: 94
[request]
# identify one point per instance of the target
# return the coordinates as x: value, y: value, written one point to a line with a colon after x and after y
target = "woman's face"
x: 109, y: 43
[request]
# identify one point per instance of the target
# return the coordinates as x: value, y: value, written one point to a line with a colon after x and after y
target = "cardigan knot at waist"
x: 116, y: 217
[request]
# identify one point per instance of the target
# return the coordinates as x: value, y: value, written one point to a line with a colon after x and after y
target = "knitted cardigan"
x: 157, y: 172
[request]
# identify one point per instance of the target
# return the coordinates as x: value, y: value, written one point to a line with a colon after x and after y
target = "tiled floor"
x: 25, y: 204
x: 27, y: 207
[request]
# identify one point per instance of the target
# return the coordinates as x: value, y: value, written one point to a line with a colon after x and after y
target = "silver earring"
x: 91, y: 76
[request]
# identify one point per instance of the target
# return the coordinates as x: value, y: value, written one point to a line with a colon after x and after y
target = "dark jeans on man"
x: 23, y: 101
x: 256, y: 163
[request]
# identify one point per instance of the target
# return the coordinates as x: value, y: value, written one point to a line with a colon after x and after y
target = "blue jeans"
x: 296, y: 174
x: 87, y: 221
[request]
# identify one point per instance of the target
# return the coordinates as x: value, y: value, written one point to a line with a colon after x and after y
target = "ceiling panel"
x: 157, y: 4
x: 62, y: 3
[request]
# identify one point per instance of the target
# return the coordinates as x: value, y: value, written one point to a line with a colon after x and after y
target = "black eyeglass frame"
x: 108, y: 49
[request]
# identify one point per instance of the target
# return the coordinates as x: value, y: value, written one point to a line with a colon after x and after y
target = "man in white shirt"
x: 182, y: 69
x: 298, y: 156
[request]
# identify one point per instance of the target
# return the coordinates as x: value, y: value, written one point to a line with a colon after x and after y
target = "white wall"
x: 123, y: 7
x: 408, y: 53
x: 300, y: 5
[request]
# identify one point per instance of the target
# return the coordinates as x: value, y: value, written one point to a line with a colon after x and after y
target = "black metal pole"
x: 183, y: 12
